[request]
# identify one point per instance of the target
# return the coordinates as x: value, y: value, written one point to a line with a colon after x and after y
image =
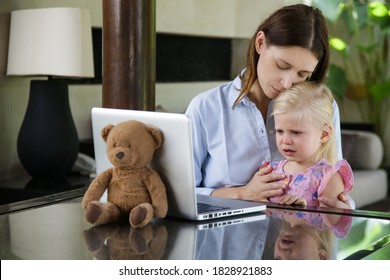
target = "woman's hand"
x: 263, y: 185
x: 343, y: 201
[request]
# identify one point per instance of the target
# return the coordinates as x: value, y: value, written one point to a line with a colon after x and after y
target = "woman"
x: 233, y: 132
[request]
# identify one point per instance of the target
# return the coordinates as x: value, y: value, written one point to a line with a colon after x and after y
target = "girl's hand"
x: 289, y: 199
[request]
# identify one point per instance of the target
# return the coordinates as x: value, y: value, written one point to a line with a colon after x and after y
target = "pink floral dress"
x: 310, y: 183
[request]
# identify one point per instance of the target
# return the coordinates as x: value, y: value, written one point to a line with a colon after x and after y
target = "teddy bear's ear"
x: 105, y: 131
x: 157, y: 136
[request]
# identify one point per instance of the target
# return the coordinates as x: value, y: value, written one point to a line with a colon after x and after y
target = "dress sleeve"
x: 322, y: 222
x: 342, y: 227
x: 345, y: 171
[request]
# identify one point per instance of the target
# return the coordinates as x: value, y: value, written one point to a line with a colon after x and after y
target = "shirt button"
x: 271, y: 131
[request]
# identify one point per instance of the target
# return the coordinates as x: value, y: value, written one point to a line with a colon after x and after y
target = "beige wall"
x: 224, y: 18
x: 227, y: 18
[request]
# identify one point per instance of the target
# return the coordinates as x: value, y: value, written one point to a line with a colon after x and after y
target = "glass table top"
x: 58, y: 230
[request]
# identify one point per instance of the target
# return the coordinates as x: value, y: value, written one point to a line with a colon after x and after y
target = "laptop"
x: 174, y: 163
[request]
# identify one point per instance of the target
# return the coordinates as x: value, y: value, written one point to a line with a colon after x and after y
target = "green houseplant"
x: 359, y: 36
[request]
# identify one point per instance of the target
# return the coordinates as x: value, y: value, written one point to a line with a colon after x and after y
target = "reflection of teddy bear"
x: 135, y: 191
x: 118, y: 241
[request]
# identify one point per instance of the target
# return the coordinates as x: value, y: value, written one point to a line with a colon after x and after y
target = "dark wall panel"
x: 192, y: 58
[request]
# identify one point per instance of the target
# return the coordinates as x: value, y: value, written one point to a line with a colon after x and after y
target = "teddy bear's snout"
x: 120, y: 155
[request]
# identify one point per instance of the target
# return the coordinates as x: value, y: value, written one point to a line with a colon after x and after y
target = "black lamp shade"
x: 48, y: 142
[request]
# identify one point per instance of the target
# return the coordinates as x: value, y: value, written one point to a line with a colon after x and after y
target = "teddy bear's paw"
x: 93, y: 212
x: 92, y: 240
x: 102, y: 213
x: 141, y: 215
x: 138, y: 242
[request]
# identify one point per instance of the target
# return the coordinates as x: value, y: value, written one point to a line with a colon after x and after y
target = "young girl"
x: 305, y: 137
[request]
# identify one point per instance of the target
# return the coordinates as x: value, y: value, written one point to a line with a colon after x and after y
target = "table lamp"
x: 51, y: 42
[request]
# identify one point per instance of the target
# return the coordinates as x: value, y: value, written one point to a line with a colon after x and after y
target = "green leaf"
x: 379, y: 14
x: 338, y: 44
x: 354, y: 16
x: 377, y: 9
x: 380, y: 91
x: 337, y: 81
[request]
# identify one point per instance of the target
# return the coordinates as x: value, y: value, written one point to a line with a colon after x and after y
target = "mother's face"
x: 278, y: 68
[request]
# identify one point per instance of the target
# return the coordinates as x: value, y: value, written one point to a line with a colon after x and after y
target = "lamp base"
x: 48, y: 142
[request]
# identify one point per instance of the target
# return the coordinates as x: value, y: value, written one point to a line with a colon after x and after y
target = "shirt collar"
x: 235, y: 92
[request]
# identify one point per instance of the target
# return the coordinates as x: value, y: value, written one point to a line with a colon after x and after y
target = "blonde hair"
x: 313, y: 102
x: 325, y: 239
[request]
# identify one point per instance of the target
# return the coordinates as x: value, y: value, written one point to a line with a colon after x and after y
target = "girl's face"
x: 296, y: 243
x: 298, y: 140
x: 278, y: 68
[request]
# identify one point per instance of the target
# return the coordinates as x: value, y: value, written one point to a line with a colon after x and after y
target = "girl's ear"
x: 327, y: 132
x: 260, y: 42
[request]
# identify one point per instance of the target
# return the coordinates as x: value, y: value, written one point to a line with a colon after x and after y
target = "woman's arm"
x: 263, y: 185
x: 337, y: 130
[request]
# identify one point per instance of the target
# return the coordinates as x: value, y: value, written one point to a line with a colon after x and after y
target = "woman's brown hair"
x: 295, y: 25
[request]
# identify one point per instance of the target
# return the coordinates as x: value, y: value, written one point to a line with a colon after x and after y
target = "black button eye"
x: 129, y: 146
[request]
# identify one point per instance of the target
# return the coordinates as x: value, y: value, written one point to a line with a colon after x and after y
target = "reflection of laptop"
x: 191, y: 240
x: 230, y: 221
x: 173, y: 161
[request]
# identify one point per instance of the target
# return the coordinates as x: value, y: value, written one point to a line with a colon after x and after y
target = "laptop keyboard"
x: 204, y: 207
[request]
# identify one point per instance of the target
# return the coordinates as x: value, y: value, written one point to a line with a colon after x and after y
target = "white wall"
x: 219, y: 18
x: 226, y: 18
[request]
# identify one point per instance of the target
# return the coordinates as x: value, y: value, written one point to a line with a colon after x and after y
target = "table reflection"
x: 277, y: 234
x: 308, y: 235
x: 119, y: 241
x: 59, y: 231
x: 281, y: 235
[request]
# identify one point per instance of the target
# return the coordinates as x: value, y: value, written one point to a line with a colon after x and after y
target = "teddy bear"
x: 119, y: 241
x: 134, y: 190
